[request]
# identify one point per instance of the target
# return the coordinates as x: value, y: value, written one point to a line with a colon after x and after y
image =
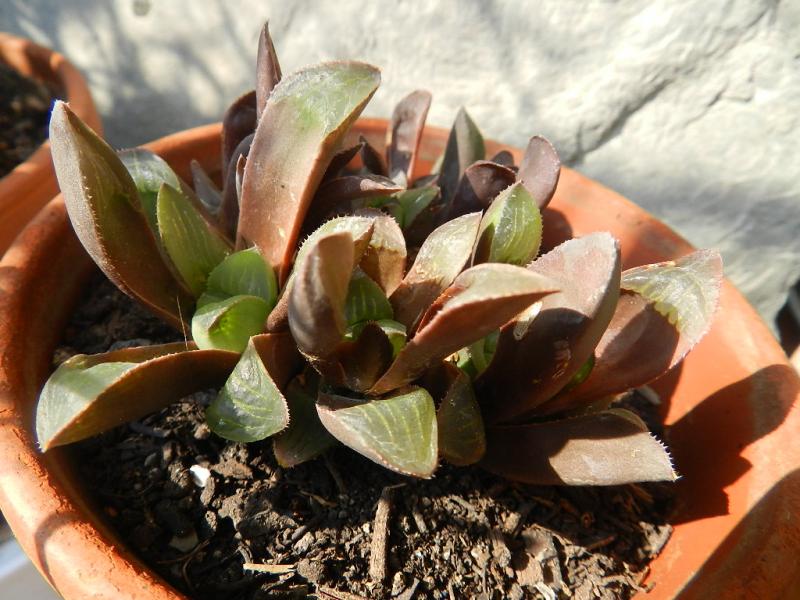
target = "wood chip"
x: 271, y: 569
x: 380, y: 536
x: 409, y: 592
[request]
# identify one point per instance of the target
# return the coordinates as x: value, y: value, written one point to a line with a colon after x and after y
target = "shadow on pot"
x: 741, y: 550
x: 708, y: 440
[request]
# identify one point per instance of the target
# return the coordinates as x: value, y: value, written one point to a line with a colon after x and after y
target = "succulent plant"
x: 481, y: 351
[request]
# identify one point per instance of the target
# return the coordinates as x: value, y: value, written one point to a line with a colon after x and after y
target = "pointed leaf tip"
x: 108, y: 217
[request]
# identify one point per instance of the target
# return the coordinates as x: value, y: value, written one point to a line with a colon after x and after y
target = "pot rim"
x: 743, y: 421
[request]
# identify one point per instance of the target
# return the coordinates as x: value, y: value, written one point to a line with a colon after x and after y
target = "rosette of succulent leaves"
x: 415, y: 321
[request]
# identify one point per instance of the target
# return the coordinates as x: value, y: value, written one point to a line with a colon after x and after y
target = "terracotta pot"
x: 27, y: 188
x: 732, y: 425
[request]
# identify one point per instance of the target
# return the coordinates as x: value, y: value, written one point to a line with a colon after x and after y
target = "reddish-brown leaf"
x: 540, y: 170
x: 268, y: 71
x: 405, y: 133
x: 612, y: 447
x: 540, y: 351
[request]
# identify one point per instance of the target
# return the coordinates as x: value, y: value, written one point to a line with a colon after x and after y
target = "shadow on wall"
x: 117, y: 65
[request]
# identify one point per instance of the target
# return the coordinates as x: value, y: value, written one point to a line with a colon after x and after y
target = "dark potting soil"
x: 219, y: 519
x: 24, y: 116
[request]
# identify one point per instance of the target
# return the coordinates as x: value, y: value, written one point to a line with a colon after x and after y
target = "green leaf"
x: 511, y: 229
x: 242, y: 273
x: 230, y: 323
x: 87, y: 395
x: 109, y: 219
x: 479, y: 301
x: 193, y: 246
x: 303, y: 123
x: 399, y: 432
x: 464, y: 147
x: 306, y: 437
x: 542, y: 349
x: 365, y: 301
x: 439, y: 260
x: 462, y: 440
x: 685, y: 291
x: 396, y: 332
x: 406, y: 206
x: 250, y: 406
x: 149, y: 172
x: 408, y: 121
x: 612, y: 447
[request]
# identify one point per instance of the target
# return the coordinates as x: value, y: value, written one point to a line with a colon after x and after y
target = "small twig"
x: 600, y: 543
x: 418, y: 520
x: 409, y: 592
x: 332, y: 594
x: 380, y: 535
x: 271, y: 569
x: 320, y: 500
x: 188, y: 556
x: 335, y: 474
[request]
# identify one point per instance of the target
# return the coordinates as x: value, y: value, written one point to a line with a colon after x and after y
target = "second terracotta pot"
x: 31, y: 184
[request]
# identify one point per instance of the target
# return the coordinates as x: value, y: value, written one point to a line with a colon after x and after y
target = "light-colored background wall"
x: 689, y: 108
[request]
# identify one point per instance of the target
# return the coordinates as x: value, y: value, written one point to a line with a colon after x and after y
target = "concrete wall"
x: 689, y: 108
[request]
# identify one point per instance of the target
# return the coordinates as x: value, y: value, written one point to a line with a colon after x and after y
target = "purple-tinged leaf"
x: 192, y: 244
x: 365, y: 300
x: 441, y: 258
x: 359, y: 228
x: 344, y: 194
x: 511, y: 229
x: 306, y: 117
x: 540, y: 169
x: 395, y: 332
x: 268, y: 71
x: 399, y: 432
x: 358, y: 364
x: 238, y: 123
x: 232, y: 188
x: 480, y: 300
x: 340, y: 160
x: 305, y: 438
x: 612, y: 447
x: 371, y: 158
x: 109, y: 219
x: 504, y: 158
x: 318, y: 293
x: 669, y: 309
x: 90, y: 394
x: 405, y: 133
x: 149, y: 172
x: 250, y: 406
x: 464, y: 147
x: 207, y: 191
x: 540, y: 351
x: 482, y: 182
x: 384, y: 260
x: 462, y: 439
